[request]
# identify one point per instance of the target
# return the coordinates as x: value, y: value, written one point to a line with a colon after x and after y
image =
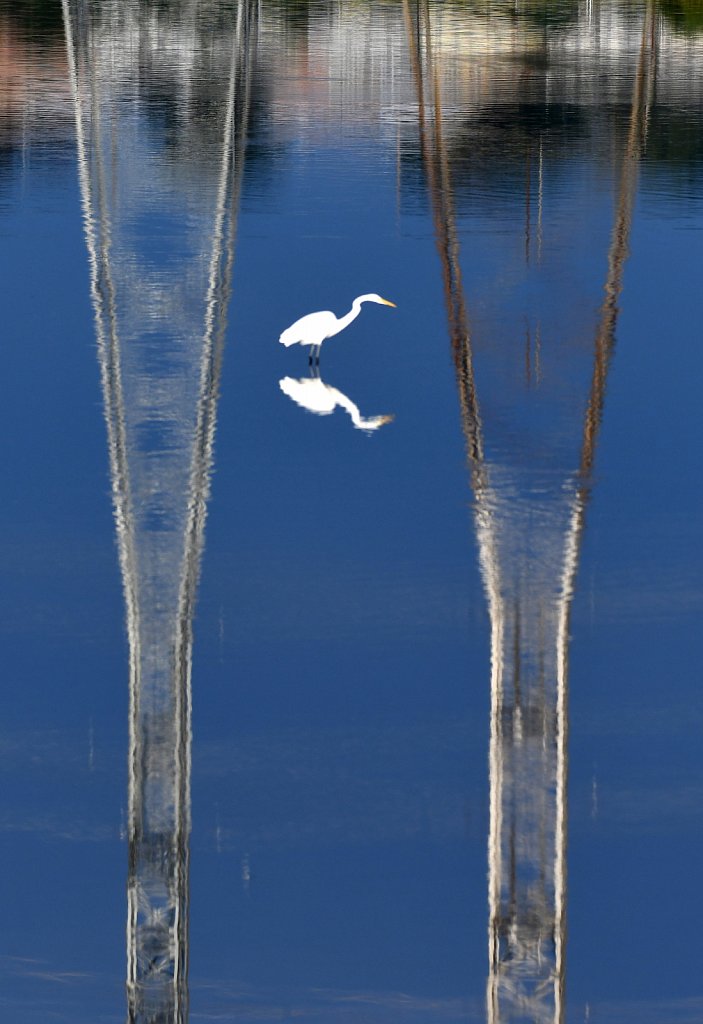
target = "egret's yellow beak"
x: 387, y: 303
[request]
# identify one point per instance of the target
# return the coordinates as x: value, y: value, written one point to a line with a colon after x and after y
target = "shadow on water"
x: 160, y: 199
x: 529, y: 521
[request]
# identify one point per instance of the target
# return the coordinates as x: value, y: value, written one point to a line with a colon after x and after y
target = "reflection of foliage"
x: 494, y: 154
x: 499, y: 143
x: 686, y: 15
x: 675, y: 137
x: 42, y: 20
x: 33, y: 34
x: 517, y: 127
x: 539, y: 12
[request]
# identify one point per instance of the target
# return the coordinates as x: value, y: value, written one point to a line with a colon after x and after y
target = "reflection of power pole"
x: 528, y: 531
x: 160, y: 322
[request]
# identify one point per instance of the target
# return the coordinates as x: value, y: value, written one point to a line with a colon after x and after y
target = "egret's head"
x: 376, y: 298
x: 374, y: 422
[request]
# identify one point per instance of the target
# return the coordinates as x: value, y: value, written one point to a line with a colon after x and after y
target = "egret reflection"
x: 161, y: 264
x: 313, y: 394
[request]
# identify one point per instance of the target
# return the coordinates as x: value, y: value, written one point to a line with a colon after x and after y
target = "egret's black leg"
x: 311, y: 355
x: 317, y: 355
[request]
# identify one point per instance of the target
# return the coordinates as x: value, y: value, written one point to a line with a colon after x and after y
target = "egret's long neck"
x: 351, y: 315
x: 347, y: 404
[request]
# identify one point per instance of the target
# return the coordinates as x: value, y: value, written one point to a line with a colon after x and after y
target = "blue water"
x: 339, y: 804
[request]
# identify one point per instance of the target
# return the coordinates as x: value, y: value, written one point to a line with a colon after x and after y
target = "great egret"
x: 313, y: 394
x: 315, y: 328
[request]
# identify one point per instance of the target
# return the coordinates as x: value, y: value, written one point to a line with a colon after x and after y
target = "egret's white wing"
x: 310, y: 330
x: 311, y: 393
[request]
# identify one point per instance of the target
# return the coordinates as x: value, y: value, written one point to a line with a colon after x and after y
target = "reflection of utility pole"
x: 528, y: 538
x: 160, y: 326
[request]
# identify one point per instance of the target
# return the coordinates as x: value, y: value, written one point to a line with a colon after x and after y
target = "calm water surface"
x: 370, y: 695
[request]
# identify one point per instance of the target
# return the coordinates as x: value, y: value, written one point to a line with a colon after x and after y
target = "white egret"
x: 313, y: 394
x: 315, y: 328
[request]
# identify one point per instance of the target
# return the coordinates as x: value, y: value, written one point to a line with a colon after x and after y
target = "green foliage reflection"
x: 686, y: 15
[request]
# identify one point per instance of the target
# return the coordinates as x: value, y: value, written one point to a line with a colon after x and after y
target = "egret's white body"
x: 313, y: 394
x: 315, y: 328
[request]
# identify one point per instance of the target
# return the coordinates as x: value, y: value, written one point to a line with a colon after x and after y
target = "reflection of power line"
x: 160, y: 329
x: 528, y: 548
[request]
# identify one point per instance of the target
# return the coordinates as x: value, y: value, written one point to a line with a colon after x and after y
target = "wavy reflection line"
x: 605, y: 335
x: 160, y: 651
x: 619, y: 249
x: 508, y: 988
x: 604, y: 349
x: 436, y: 168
